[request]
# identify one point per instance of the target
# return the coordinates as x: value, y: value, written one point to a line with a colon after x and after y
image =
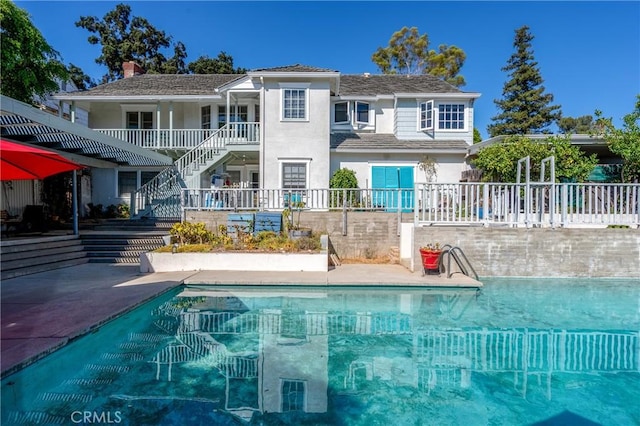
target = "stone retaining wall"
x: 542, y: 252
x: 369, y: 234
x: 545, y: 252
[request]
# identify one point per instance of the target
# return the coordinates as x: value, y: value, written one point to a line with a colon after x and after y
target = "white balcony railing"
x: 185, y: 139
x: 567, y: 204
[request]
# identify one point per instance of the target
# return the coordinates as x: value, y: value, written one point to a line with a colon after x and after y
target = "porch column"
x: 72, y: 111
x: 157, y: 145
x: 74, y: 202
x: 170, y: 124
x: 228, y: 106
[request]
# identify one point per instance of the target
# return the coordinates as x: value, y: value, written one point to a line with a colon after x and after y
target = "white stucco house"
x: 288, y: 127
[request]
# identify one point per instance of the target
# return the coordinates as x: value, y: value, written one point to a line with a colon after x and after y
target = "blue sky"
x: 588, y: 52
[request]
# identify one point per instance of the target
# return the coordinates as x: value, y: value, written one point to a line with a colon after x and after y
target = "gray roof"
x: 162, y: 84
x: 385, y: 84
x: 205, y: 84
x: 383, y: 141
x: 294, y: 68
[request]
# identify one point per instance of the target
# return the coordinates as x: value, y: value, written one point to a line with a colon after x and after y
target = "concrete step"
x: 28, y: 245
x: 128, y: 260
x: 41, y: 260
x: 116, y: 253
x: 32, y: 255
x: 40, y: 253
x: 7, y: 274
x: 121, y: 247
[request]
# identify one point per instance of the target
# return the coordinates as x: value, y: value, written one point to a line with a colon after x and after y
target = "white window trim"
x: 433, y: 112
x: 295, y: 86
x: 464, y: 117
x: 355, y: 112
x: 348, y: 113
x: 281, y: 162
x: 139, y: 108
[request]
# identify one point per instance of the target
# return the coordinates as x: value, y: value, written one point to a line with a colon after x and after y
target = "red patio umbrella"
x: 25, y: 162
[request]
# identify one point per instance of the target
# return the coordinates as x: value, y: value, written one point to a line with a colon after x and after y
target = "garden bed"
x: 237, y: 261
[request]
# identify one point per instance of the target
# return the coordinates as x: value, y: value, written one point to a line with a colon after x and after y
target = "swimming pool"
x: 520, y: 351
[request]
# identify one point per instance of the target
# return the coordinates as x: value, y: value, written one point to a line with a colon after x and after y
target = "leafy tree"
x: 30, y: 66
x: 582, y: 124
x: 126, y: 38
x: 223, y: 64
x: 624, y: 142
x: 408, y: 53
x: 79, y: 78
x: 499, y: 162
x: 477, y: 137
x: 525, y: 107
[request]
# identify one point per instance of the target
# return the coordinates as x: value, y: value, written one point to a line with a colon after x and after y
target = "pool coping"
x: 43, y: 312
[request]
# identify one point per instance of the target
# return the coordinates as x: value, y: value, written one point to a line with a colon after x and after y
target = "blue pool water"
x: 517, y: 352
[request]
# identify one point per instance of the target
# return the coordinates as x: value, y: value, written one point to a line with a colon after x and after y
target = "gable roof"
x: 388, y: 84
x: 294, y: 68
x: 205, y: 85
x: 161, y: 85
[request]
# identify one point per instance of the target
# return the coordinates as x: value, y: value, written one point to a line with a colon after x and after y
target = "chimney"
x: 131, y: 68
x: 366, y: 74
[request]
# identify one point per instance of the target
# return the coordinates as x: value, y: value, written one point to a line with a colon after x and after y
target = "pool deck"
x: 42, y: 312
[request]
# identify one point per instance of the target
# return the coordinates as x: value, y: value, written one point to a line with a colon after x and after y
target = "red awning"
x: 25, y: 162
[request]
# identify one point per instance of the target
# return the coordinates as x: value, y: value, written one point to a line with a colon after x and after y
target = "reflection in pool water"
x: 517, y: 352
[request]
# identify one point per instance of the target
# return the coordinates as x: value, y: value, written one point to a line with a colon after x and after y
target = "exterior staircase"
x: 123, y: 240
x: 160, y: 197
x: 26, y: 256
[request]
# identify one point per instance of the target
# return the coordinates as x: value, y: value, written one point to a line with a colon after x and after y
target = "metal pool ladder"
x: 461, y: 260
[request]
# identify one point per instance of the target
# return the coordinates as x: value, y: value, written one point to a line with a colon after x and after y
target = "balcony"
x: 187, y: 139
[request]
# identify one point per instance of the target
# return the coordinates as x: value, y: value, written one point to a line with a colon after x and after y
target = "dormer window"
x: 362, y: 112
x: 341, y: 112
x: 426, y: 116
x: 451, y: 116
x: 353, y: 112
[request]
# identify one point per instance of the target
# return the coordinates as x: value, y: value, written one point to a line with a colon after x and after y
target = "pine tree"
x: 526, y: 109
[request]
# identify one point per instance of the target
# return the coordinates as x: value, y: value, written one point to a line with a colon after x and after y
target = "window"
x: 426, y: 115
x: 341, y: 112
x: 294, y: 175
x: 362, y: 112
x: 238, y: 114
x: 256, y: 113
x: 294, y: 104
x: 139, y: 120
x: 292, y: 395
x: 451, y: 116
x: 127, y: 183
x: 205, y: 117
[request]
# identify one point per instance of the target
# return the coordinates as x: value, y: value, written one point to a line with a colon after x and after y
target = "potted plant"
x: 430, y: 254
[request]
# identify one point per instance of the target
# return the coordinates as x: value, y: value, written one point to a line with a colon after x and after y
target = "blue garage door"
x: 386, y: 180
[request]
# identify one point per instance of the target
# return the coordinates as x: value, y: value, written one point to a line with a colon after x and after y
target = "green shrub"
x: 191, y: 233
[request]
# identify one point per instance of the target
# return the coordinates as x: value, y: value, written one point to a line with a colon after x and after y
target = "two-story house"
x: 279, y: 128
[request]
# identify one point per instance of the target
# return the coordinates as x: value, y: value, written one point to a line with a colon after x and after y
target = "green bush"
x: 191, y: 233
x: 344, y: 179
